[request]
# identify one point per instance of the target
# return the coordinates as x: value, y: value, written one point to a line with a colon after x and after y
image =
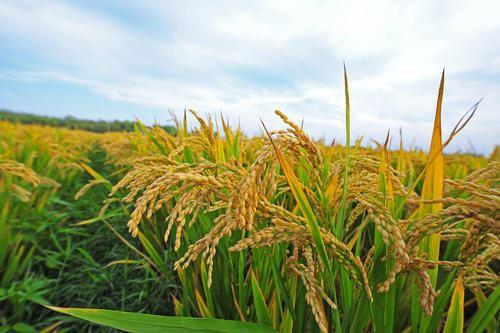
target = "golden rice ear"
x: 305, y: 207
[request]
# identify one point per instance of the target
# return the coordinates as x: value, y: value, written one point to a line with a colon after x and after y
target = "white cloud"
x: 248, y: 58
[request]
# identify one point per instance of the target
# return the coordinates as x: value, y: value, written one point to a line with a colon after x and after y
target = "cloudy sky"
x: 120, y: 59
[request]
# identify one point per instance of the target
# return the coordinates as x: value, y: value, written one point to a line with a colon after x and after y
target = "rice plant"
x: 299, y: 236
x: 282, y: 232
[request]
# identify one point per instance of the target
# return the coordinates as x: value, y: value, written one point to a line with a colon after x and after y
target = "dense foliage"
x: 279, y: 230
x: 45, y: 257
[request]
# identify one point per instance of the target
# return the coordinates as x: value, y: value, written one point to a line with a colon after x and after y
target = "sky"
x: 243, y: 59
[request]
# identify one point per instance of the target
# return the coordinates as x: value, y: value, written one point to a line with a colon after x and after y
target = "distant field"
x: 278, y: 230
x: 98, y: 126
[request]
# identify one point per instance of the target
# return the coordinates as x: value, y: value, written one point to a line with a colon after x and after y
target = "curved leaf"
x: 139, y: 322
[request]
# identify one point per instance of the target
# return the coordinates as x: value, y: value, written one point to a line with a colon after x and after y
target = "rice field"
x: 277, y: 232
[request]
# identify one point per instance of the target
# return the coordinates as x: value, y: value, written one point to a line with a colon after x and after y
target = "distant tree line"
x: 99, y: 126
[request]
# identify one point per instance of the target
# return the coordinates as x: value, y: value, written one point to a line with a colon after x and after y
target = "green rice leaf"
x: 259, y: 301
x: 486, y: 313
x: 139, y: 322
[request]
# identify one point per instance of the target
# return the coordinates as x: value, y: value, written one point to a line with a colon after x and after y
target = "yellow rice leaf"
x: 332, y: 189
x: 238, y: 308
x: 202, y: 306
x: 178, y: 307
x: 219, y: 147
x: 455, y: 319
x: 433, y: 183
x: 96, y: 175
x: 52, y: 328
x: 121, y: 262
x: 384, y: 171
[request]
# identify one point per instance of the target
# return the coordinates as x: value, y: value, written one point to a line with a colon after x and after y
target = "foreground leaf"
x: 139, y: 322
